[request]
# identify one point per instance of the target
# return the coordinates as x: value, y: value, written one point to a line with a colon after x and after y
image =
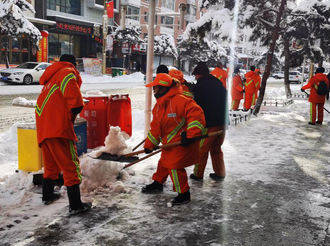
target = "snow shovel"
x: 323, y: 106
x: 167, y: 146
x: 137, y: 146
x: 160, y: 149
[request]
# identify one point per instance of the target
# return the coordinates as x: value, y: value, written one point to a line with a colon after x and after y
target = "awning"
x: 41, y: 21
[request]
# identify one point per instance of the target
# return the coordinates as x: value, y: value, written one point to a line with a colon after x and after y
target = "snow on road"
x: 260, y: 152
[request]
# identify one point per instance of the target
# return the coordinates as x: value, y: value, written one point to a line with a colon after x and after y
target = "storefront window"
x: 66, y: 6
x: 59, y: 44
x: 53, y: 45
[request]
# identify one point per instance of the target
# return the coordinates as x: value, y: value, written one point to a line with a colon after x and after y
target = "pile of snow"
x: 100, y: 174
x: 8, y: 147
x: 21, y: 101
x: 92, y: 93
x: 114, y: 143
x: 15, y: 190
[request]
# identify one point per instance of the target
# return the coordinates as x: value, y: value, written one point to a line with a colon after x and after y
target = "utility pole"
x: 150, y: 62
x: 105, y: 33
x: 123, y: 11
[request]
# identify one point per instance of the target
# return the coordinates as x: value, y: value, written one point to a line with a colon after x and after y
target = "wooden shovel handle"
x: 143, y: 158
x: 175, y: 143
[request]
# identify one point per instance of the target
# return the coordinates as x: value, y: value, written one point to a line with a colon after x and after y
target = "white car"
x: 26, y: 73
x: 278, y: 75
x: 295, y: 77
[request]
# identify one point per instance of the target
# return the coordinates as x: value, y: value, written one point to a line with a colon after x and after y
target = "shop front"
x: 17, y: 49
x: 78, y: 39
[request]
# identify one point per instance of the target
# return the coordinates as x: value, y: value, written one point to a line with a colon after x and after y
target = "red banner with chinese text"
x: 42, y: 54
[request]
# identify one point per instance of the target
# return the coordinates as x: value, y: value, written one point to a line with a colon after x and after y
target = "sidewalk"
x: 276, y: 193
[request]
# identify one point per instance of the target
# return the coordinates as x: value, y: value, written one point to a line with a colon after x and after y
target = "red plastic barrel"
x: 120, y: 112
x: 95, y: 112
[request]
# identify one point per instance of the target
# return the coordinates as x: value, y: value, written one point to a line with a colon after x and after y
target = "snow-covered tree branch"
x: 13, y: 21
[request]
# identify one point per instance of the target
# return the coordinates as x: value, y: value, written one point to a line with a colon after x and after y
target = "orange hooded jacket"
x: 250, y: 83
x: 221, y: 75
x: 237, y: 88
x: 177, y: 74
x: 313, y: 84
x: 60, y: 94
x: 172, y: 114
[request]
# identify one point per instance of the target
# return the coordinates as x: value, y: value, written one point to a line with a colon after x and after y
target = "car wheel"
x: 28, y: 79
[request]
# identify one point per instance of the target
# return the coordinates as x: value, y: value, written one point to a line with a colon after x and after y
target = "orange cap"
x: 162, y: 79
x: 177, y: 74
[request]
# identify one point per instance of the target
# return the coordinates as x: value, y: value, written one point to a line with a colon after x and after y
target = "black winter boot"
x: 182, y: 198
x: 216, y: 177
x: 75, y: 204
x: 194, y: 177
x: 48, y: 194
x: 153, y: 188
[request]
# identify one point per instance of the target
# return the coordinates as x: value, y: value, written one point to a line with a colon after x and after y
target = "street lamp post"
x: 150, y: 62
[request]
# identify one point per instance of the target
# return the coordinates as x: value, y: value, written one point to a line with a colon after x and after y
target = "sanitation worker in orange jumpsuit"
x: 236, y: 90
x: 177, y: 74
x: 257, y: 82
x: 249, y: 88
x: 175, y: 118
x: 58, y: 104
x: 221, y: 74
x: 316, y: 100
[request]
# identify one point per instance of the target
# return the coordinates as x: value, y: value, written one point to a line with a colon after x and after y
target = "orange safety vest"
x: 313, y: 85
x: 172, y: 114
x: 221, y: 75
x: 60, y: 94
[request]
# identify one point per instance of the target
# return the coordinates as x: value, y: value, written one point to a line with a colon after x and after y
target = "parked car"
x: 295, y: 77
x: 26, y: 73
x: 278, y: 75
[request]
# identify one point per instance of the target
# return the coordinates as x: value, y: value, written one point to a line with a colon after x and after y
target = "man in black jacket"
x: 210, y: 94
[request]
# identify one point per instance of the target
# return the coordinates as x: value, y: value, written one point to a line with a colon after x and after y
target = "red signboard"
x: 73, y: 27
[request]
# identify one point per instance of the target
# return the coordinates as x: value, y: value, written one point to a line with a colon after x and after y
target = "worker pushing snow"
x: 175, y: 118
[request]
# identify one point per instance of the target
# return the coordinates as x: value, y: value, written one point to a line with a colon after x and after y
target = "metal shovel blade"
x: 118, y: 158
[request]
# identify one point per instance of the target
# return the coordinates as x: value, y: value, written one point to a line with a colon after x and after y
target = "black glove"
x: 184, y: 140
x: 147, y: 151
x: 302, y: 90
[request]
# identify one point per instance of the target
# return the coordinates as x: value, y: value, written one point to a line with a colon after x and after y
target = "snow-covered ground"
x: 264, y: 140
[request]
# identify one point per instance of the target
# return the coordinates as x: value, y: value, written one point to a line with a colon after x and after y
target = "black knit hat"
x: 252, y: 68
x: 201, y: 69
x: 68, y: 58
x: 320, y: 70
x: 162, y: 69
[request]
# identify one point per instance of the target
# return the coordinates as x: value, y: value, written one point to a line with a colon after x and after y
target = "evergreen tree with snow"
x: 131, y: 35
x: 196, y: 51
x: 13, y: 21
x: 164, y: 45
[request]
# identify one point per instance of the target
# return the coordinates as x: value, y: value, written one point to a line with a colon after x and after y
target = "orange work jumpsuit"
x: 316, y: 100
x: 221, y: 75
x: 54, y: 121
x: 249, y: 89
x: 236, y: 92
x: 172, y: 114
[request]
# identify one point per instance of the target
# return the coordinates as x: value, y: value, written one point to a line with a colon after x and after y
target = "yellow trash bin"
x: 29, y: 153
